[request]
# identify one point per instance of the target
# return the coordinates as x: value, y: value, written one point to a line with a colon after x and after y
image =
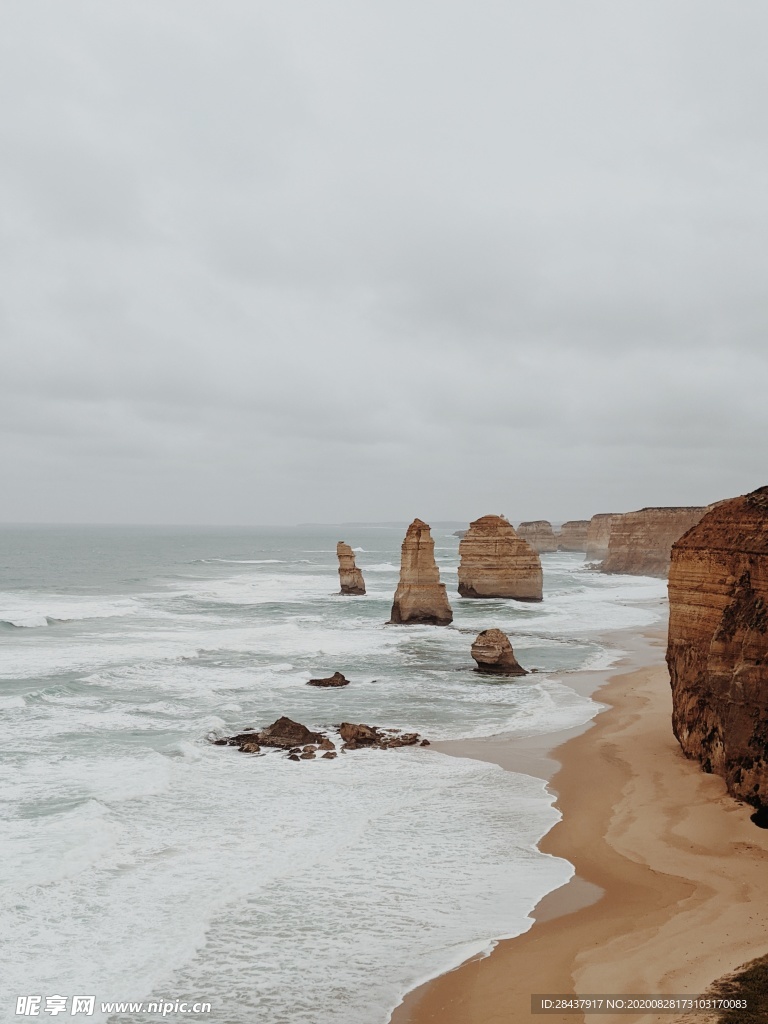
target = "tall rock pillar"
x: 420, y: 597
x: 350, y: 577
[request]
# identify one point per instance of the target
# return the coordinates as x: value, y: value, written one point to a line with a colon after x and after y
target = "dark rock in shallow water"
x: 494, y: 655
x: 337, y: 679
x: 356, y: 736
x: 283, y: 733
x: 301, y: 743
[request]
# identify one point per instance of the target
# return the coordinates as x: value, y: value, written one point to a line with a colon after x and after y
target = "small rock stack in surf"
x: 350, y: 577
x: 420, y: 597
x: 494, y: 655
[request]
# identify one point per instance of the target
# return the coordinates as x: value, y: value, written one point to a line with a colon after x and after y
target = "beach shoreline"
x: 668, y: 892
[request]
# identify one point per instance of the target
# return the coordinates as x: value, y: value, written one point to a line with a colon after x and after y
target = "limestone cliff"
x: 494, y: 655
x: 539, y: 534
x: 573, y: 535
x: 718, y: 643
x: 495, y: 562
x: 350, y: 577
x: 640, y: 542
x: 420, y: 596
x: 598, y: 535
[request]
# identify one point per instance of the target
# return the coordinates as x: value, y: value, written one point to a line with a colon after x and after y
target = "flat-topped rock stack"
x: 573, y: 535
x: 718, y: 643
x: 640, y: 543
x: 539, y: 534
x: 598, y: 535
x: 495, y: 562
x: 494, y: 655
x: 420, y: 597
x: 350, y: 577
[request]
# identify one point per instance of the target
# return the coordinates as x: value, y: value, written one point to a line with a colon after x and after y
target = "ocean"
x: 142, y: 862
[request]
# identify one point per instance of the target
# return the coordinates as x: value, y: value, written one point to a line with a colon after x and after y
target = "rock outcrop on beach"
x: 598, y: 535
x: 640, y: 542
x: 420, y: 597
x: 495, y: 562
x: 539, y: 534
x: 573, y: 535
x: 350, y: 577
x: 337, y: 679
x: 494, y: 655
x: 718, y: 643
x: 459, y: 533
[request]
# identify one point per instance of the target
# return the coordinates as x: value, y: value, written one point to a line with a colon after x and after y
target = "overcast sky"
x: 338, y: 260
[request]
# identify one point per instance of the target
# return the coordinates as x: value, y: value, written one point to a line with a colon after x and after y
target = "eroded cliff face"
x: 640, y: 542
x: 495, y: 562
x: 573, y: 535
x: 539, y: 534
x: 718, y: 643
x: 420, y: 596
x: 350, y: 577
x: 598, y: 535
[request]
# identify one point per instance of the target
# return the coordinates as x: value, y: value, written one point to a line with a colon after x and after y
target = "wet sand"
x: 670, y: 887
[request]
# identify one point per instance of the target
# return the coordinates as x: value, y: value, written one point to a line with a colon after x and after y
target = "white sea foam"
x: 255, y: 867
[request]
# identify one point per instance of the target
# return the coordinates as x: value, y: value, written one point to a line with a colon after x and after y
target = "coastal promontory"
x: 420, y: 597
x: 598, y: 536
x: 350, y: 577
x: 718, y: 643
x: 495, y: 562
x: 573, y: 535
x: 539, y: 534
x: 640, y: 542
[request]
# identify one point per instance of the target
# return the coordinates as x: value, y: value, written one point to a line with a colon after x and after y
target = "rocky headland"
x: 598, y: 536
x: 572, y: 535
x: 350, y: 577
x: 494, y: 655
x: 640, y: 543
x: 496, y: 562
x: 539, y: 534
x: 420, y: 597
x: 718, y: 643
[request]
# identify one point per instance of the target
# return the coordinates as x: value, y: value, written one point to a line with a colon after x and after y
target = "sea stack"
x: 718, y: 644
x: 495, y: 562
x: 573, y: 535
x: 598, y: 535
x: 420, y: 597
x: 350, y: 577
x: 494, y: 655
x: 640, y: 543
x: 539, y: 534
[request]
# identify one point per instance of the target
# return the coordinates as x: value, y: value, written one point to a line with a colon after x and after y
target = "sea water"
x: 140, y: 861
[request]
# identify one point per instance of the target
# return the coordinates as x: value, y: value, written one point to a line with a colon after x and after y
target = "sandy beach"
x: 669, y: 892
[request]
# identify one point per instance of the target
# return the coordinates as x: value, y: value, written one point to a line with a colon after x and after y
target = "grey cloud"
x: 463, y: 257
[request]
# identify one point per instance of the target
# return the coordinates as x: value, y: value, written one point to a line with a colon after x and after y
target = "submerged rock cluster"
x: 303, y: 744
